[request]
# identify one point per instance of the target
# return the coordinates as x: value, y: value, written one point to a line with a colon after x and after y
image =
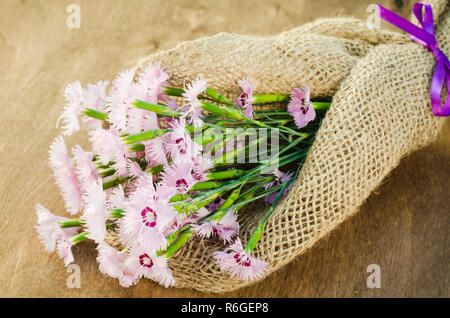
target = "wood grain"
x: 404, y: 227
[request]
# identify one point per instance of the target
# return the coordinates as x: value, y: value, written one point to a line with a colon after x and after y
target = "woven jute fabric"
x: 380, y: 112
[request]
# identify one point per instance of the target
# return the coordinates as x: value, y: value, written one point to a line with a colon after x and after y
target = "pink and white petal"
x: 116, y: 199
x: 120, y: 99
x: 144, y: 263
x: 110, y: 260
x: 310, y: 114
x: 85, y: 168
x: 154, y: 152
x: 47, y: 226
x: 95, y: 213
x: 123, y: 83
x: 95, y: 99
x: 64, y: 248
x: 127, y: 278
x: 238, y: 264
x: 75, y: 96
x: 104, y: 144
x: 65, y: 176
x: 135, y: 122
x: 135, y: 170
x: 229, y: 221
x: 205, y: 230
x: 118, y: 111
x: 162, y: 273
x: 165, y: 213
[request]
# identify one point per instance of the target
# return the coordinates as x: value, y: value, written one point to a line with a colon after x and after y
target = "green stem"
x: 258, y: 231
x: 229, y: 157
x: 209, y: 93
x: 255, y: 188
x: 227, y: 174
x: 173, y: 91
x: 182, y: 239
x: 269, y: 98
x: 321, y: 105
x: 217, y: 97
x: 183, y: 235
x: 223, y: 209
x: 156, y: 108
x: 155, y: 170
x: 146, y: 135
x: 95, y: 114
x: 223, y: 111
x: 107, y: 172
x: 79, y: 238
x: 206, y: 185
x: 113, y: 182
x: 137, y: 147
x: 179, y: 197
x: 83, y: 235
x: 117, y: 213
x: 282, y: 112
x: 71, y: 223
x: 253, y: 198
x: 192, y: 206
x: 280, y: 128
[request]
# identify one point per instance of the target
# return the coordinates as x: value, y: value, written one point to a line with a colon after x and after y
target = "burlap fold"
x: 380, y: 112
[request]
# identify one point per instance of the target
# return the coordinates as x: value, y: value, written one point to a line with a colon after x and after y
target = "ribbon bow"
x: 425, y: 36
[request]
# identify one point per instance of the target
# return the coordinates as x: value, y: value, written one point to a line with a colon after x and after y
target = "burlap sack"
x: 381, y: 112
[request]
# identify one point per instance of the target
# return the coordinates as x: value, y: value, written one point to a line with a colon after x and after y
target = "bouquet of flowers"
x: 178, y: 162
x: 168, y: 164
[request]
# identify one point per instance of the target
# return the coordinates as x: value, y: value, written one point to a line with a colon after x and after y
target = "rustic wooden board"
x: 404, y: 227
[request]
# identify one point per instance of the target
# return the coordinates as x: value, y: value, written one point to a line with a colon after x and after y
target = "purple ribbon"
x: 425, y: 36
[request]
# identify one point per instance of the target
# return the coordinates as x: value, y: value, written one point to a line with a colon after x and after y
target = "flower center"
x: 181, y: 185
x: 243, y: 99
x: 181, y: 145
x: 197, y: 172
x: 145, y: 260
x: 242, y: 259
x: 148, y: 217
x: 304, y: 109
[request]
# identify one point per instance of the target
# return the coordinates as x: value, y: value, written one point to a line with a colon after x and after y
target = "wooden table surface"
x: 403, y: 227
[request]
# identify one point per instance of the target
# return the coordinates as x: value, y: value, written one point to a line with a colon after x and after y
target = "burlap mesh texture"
x: 380, y: 112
